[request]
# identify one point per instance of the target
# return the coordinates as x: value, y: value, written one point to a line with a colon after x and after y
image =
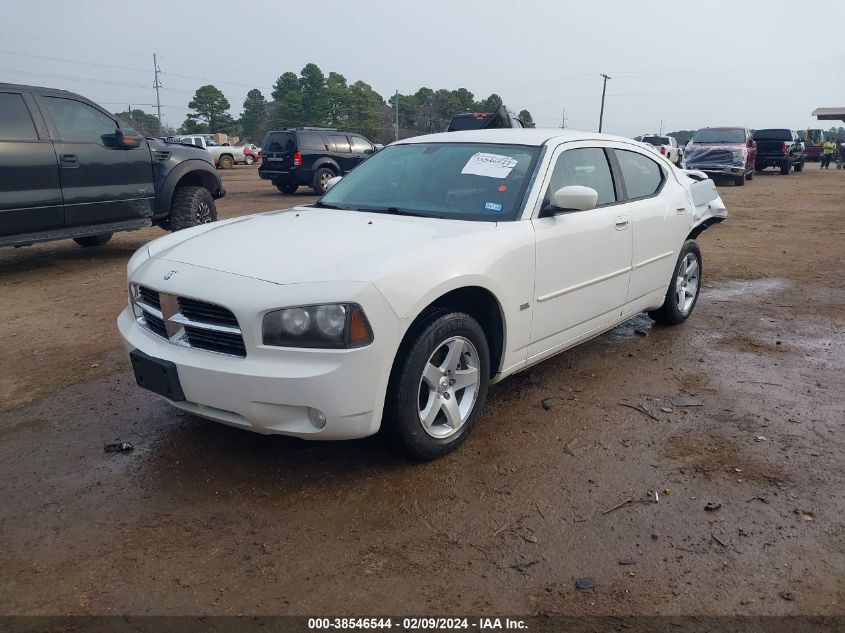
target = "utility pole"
x: 661, y: 128
x: 157, y: 85
x: 563, y: 120
x: 603, y: 91
x: 396, y: 106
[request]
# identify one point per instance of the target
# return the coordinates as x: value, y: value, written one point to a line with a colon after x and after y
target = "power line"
x: 73, y: 61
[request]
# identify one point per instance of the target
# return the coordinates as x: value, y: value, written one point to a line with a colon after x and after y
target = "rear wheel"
x: 438, y: 385
x: 785, y: 167
x: 799, y: 166
x: 226, y: 162
x: 682, y: 294
x: 191, y: 206
x: 93, y: 240
x: 249, y: 159
x: 286, y: 187
x: 321, y: 179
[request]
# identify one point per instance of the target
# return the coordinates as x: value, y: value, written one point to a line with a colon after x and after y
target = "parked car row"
x: 737, y: 152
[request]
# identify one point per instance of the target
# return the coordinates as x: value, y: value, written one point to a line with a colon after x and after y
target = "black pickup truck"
x: 779, y: 148
x: 71, y: 170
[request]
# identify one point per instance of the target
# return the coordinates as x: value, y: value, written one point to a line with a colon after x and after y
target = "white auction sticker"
x: 490, y: 165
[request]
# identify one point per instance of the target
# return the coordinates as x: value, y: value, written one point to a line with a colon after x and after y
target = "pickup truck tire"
x: 785, y: 166
x: 799, y: 166
x: 321, y: 177
x: 93, y: 240
x: 191, y: 206
x: 417, y: 384
x: 682, y: 294
x: 226, y: 162
x: 750, y: 175
x: 287, y: 187
x: 739, y: 181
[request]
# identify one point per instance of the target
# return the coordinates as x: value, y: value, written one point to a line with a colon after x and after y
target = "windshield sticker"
x: 492, y: 206
x: 490, y: 165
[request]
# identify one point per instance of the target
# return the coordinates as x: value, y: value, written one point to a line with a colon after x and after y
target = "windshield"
x: 463, y: 181
x: 657, y: 141
x: 729, y: 135
x: 773, y: 135
x: 474, y: 121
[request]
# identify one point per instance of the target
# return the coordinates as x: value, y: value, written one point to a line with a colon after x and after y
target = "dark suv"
x: 310, y: 157
x: 69, y: 169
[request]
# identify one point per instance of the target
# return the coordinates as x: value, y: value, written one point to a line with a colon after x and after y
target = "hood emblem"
x: 169, y: 275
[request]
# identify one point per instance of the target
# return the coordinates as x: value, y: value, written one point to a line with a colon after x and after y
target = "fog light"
x: 318, y: 418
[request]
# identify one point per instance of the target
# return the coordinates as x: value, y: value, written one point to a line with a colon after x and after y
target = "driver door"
x: 583, y: 258
x: 100, y: 184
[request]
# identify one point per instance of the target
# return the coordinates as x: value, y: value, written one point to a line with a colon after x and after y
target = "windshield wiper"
x: 325, y: 205
x: 395, y: 211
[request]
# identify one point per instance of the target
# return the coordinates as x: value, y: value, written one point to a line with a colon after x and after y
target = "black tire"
x: 249, y: 159
x: 799, y: 166
x: 739, y: 181
x: 191, y: 206
x: 785, y: 167
x: 93, y: 240
x: 406, y: 387
x: 670, y: 312
x: 320, y: 177
x: 287, y: 187
x: 750, y: 175
x: 226, y: 162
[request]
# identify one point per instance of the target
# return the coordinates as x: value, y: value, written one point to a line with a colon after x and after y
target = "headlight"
x: 331, y: 325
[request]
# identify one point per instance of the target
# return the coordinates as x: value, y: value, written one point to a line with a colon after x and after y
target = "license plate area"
x: 156, y: 375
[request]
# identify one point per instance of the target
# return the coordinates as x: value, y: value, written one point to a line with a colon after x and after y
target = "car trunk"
x: 278, y: 149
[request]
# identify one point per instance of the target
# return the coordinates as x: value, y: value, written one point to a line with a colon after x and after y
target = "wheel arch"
x: 699, y: 229
x: 192, y: 172
x: 327, y: 163
x: 478, y: 302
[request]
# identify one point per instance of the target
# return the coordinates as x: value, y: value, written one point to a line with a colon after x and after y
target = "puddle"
x: 748, y: 288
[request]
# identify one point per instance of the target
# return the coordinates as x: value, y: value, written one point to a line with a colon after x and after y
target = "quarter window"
x: 15, y: 122
x: 78, y: 122
x: 642, y: 175
x: 341, y: 143
x: 587, y: 167
x: 360, y: 144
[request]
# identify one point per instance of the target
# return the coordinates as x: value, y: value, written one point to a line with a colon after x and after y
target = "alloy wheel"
x: 686, y: 284
x: 448, y: 387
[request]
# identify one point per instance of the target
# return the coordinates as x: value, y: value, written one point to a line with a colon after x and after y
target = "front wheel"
x: 93, y: 240
x: 191, y: 206
x: 684, y: 287
x: 438, y: 385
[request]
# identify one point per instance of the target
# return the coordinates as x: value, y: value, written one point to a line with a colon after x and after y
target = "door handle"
x: 681, y: 210
x: 69, y: 160
x: 621, y: 223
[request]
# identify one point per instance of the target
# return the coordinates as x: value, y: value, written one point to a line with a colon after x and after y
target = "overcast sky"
x: 754, y: 63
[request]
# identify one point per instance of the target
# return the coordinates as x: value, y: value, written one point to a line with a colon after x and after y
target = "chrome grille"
x: 188, y: 322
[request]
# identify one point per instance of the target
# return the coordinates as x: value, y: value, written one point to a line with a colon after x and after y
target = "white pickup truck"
x: 224, y: 156
x: 665, y: 145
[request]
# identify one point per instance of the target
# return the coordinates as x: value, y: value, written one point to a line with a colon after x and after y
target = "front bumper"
x: 717, y: 170
x: 273, y: 390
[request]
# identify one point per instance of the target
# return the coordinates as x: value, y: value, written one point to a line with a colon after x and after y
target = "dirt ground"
x: 742, y: 407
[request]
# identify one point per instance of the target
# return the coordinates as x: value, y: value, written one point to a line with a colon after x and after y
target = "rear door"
x: 30, y: 190
x: 342, y: 151
x: 101, y: 183
x: 278, y: 148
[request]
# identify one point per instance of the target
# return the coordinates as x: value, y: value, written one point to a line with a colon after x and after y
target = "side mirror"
x: 332, y: 182
x: 123, y: 138
x: 574, y: 198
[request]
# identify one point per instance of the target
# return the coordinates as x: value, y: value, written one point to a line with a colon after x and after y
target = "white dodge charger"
x: 440, y: 265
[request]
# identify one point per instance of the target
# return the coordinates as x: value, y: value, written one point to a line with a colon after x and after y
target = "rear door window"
x: 15, y: 122
x: 340, y: 143
x: 643, y: 177
x: 587, y: 167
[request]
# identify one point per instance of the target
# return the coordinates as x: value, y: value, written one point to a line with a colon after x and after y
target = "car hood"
x: 305, y: 244
x: 713, y: 150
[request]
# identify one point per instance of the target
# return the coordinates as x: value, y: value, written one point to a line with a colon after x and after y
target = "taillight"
x: 297, y: 159
x: 784, y: 148
x: 663, y: 150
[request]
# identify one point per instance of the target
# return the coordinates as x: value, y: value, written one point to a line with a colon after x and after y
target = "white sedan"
x: 442, y: 264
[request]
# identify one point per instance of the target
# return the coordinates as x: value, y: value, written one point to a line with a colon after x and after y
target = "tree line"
x: 312, y: 98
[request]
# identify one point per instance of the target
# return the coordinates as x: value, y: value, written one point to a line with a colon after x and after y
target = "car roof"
x: 515, y: 136
x: 43, y: 89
